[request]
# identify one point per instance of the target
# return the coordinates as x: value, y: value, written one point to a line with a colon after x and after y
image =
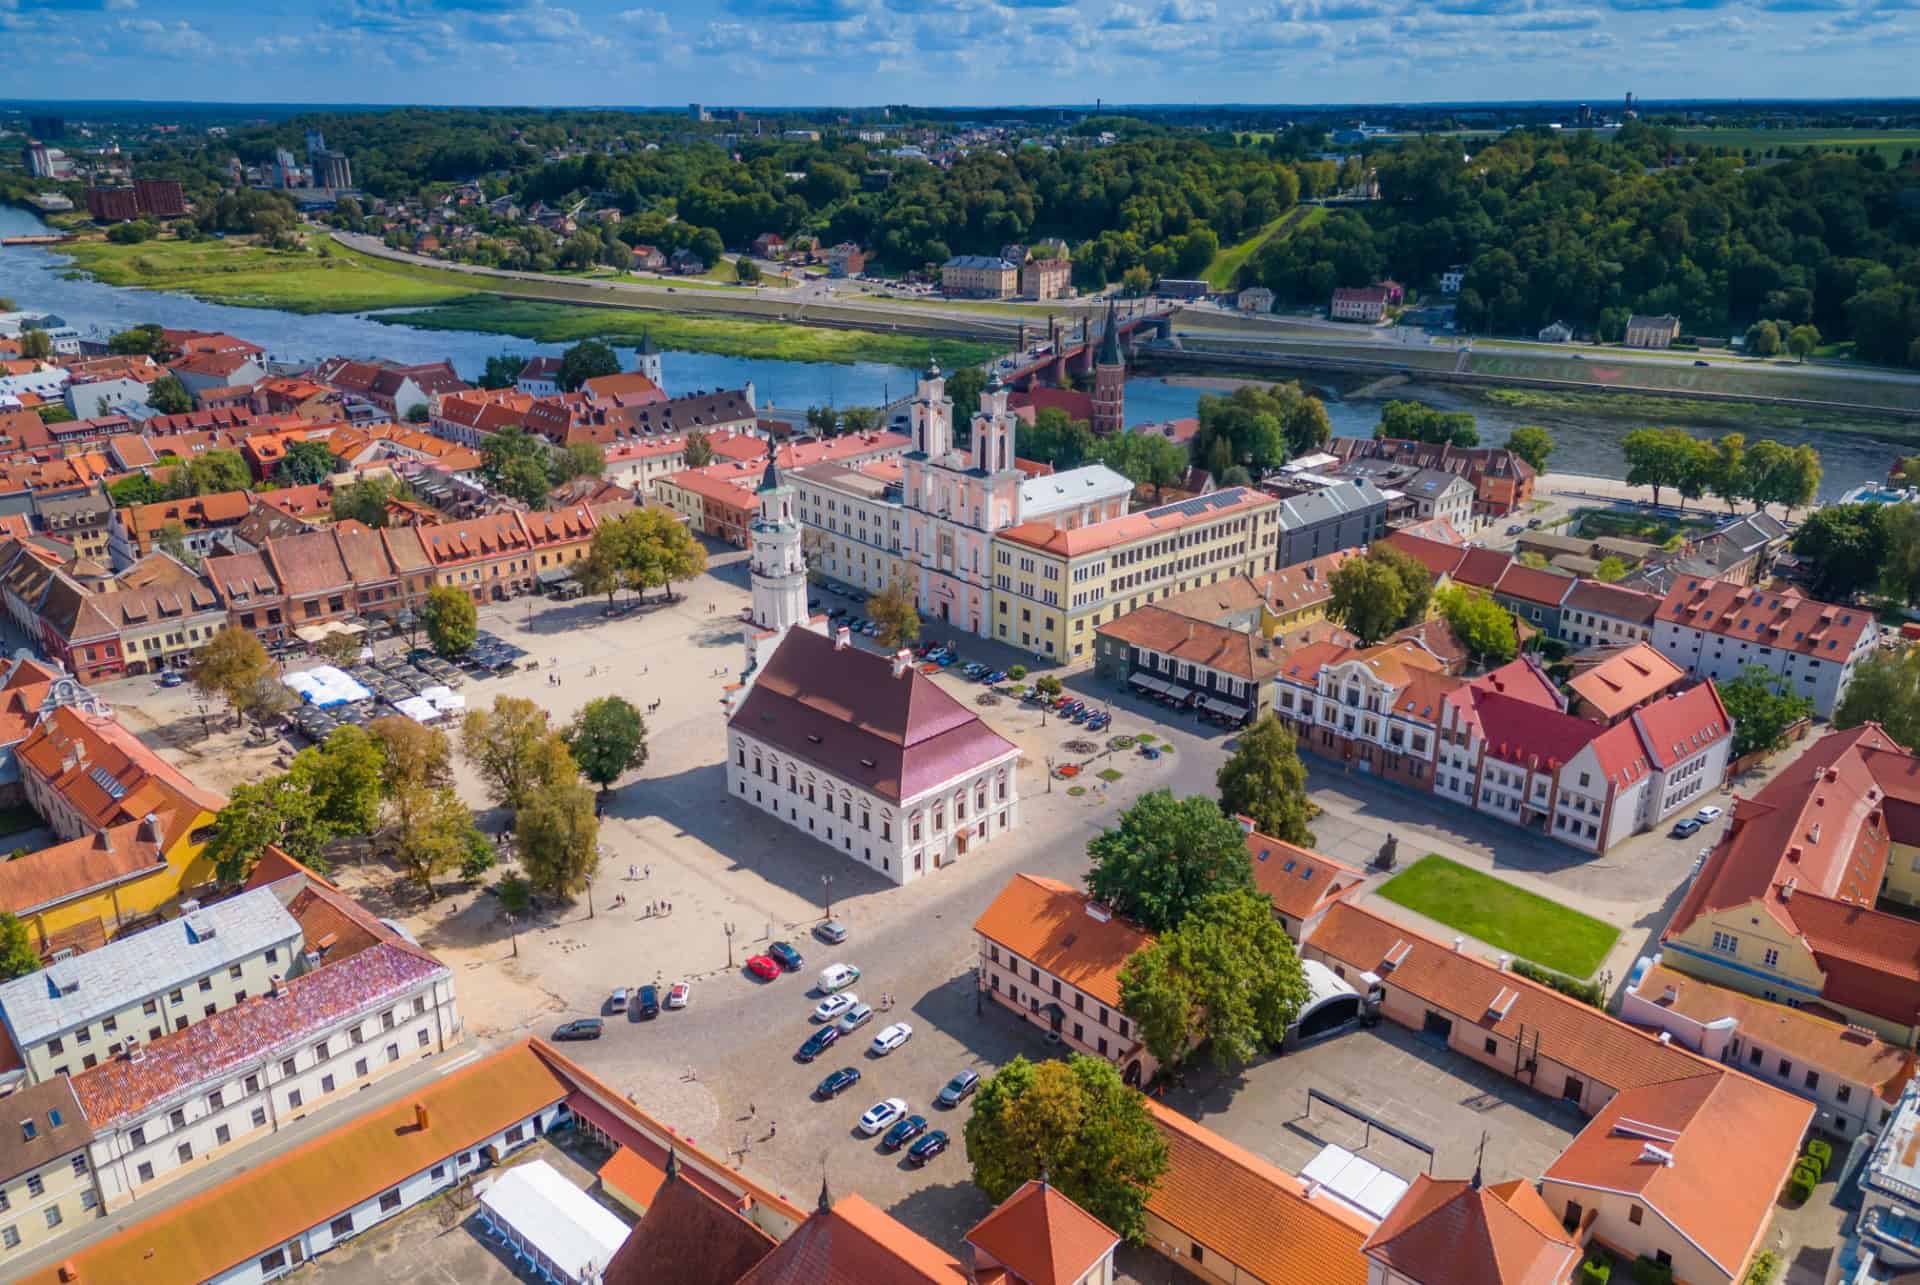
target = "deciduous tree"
x: 1885, y: 690
x: 1076, y: 1123
x: 1482, y: 625
x: 453, y: 623
x: 1532, y: 444
x: 412, y: 754
x: 1762, y: 706
x: 1380, y: 592
x: 588, y: 359
x: 434, y: 833
x: 229, y: 666
x: 555, y: 831
x: 502, y: 371
x: 504, y: 744
x: 18, y: 955
x: 344, y: 775
x: 366, y: 500
x: 1802, y: 340
x: 1225, y: 978
x: 1264, y: 779
x: 1845, y: 547
x: 699, y: 448
x: 283, y: 811
x: 169, y: 396
x: 305, y: 463
x: 893, y: 610
x: 1164, y: 856
x: 608, y: 739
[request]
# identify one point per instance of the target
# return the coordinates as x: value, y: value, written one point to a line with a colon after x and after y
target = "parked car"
x: 834, y: 1005
x: 831, y: 931
x: 763, y: 968
x: 891, y: 1038
x: 617, y: 1002
x: 817, y: 1043
x: 837, y: 1083
x: 786, y: 955
x: 678, y: 994
x: 904, y: 1132
x: 172, y: 678
x: 1686, y: 828
x: 837, y: 977
x: 995, y: 678
x: 580, y: 1028
x: 1515, y: 529
x: 882, y: 1115
x: 1709, y: 813
x: 929, y: 1146
x: 649, y: 1002
x: 856, y: 1017
x: 959, y: 1088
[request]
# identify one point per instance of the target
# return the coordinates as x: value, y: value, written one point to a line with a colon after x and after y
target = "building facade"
x: 1715, y: 629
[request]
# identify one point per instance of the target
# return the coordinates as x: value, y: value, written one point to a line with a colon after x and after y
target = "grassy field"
x: 1517, y: 921
x: 1888, y: 142
x: 1226, y: 264
x: 564, y: 323
x: 249, y: 276
x: 1594, y: 524
x: 1655, y: 408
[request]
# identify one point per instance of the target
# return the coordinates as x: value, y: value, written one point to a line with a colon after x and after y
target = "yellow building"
x: 1054, y: 586
x: 134, y: 832
x: 1784, y: 907
x: 46, y: 1183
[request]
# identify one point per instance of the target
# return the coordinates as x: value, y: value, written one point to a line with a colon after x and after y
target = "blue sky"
x: 853, y: 52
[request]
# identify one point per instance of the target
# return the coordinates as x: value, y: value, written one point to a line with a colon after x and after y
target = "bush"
x: 1813, y: 1164
x: 1822, y: 1150
x: 1800, y: 1186
x: 479, y: 858
x: 1017, y: 672
x: 1649, y: 1272
x: 515, y: 895
x: 1595, y: 1271
x: 1586, y: 992
x: 1766, y: 1266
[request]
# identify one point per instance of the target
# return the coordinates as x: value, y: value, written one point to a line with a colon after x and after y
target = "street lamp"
x: 728, y: 929
x: 589, y: 896
x: 827, y: 882
x: 515, y: 936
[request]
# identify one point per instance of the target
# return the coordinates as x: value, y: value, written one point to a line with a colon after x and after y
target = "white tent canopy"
x: 443, y: 698
x: 417, y: 708
x: 548, y: 1219
x: 326, y: 685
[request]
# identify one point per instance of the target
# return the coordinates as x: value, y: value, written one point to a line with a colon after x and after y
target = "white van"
x: 837, y: 977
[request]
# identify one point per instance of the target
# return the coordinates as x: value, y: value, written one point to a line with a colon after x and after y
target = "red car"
x: 764, y: 968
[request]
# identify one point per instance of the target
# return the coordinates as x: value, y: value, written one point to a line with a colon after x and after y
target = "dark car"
x: 1686, y: 828
x: 927, y: 1148
x: 1702, y: 363
x: 958, y: 1088
x: 647, y: 1003
x: 817, y: 1043
x: 904, y: 1132
x: 580, y: 1028
x: 837, y: 1083
x: 786, y: 956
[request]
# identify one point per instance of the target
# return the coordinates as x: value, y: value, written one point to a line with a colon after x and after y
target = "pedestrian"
x: 752, y: 1110
x: 649, y: 873
x: 633, y: 872
x: 773, y: 1127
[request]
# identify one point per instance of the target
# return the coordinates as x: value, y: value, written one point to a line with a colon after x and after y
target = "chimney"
x: 135, y: 1053
x: 1666, y: 1037
x: 1458, y: 942
x: 902, y: 662
x: 842, y: 639
x: 278, y: 986
x: 68, y: 1272
x: 420, y: 1116
x: 1246, y: 824
x: 1504, y: 961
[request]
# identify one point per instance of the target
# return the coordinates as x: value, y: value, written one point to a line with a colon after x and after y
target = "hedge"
x: 1800, y: 1186
x: 1595, y: 1271
x: 1822, y: 1150
x: 1649, y: 1272
x: 1766, y: 1265
x: 1586, y: 992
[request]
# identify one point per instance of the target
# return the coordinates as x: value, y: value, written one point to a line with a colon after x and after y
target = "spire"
x: 933, y: 368
x: 646, y: 348
x: 770, y: 480
x: 673, y: 1164
x: 994, y: 383
x: 1109, y: 354
x: 825, y: 1204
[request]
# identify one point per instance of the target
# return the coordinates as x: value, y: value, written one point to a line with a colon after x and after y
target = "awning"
x: 314, y: 633
x: 1148, y: 681
x: 1222, y: 707
x: 554, y: 577
x: 1176, y: 691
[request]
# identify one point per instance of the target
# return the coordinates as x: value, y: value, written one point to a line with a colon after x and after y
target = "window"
x: 209, y: 1010
x: 386, y: 1021
x: 1493, y: 1046
x: 515, y: 1134
x: 360, y: 1067
x: 289, y: 1067
x: 222, y: 1136
x: 53, y: 1216
x: 145, y: 1171
x: 342, y: 1226
x: 79, y: 1166
x: 184, y: 1151
x: 259, y: 1117
x: 1772, y: 957
x: 253, y: 1084
x: 233, y: 972
x: 36, y: 1186
x: 1813, y: 1079
x: 174, y: 997
x: 206, y: 984
x: 1634, y: 1214
x: 151, y: 1007
x: 9, y: 1237
x: 293, y: 1098
x: 438, y: 1172
x: 1786, y: 1068
x: 390, y: 1201
x: 393, y: 1052
x: 326, y: 1084
x: 1726, y: 943
x: 273, y: 1262
x: 138, y: 1136
x: 1844, y: 1092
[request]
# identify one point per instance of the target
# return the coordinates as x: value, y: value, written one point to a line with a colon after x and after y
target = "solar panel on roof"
x: 104, y: 779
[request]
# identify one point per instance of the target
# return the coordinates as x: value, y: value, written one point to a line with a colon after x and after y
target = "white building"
x: 80, y: 1012
x: 867, y: 755
x: 49, y: 383
x: 778, y: 565
x: 1716, y: 629
x: 1453, y: 278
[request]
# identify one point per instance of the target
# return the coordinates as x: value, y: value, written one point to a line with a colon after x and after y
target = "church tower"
x: 932, y: 413
x: 779, y: 567
x: 647, y: 360
x: 993, y: 429
x: 1109, y: 381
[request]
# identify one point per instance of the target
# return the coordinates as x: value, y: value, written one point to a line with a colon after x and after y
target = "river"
x: 33, y: 277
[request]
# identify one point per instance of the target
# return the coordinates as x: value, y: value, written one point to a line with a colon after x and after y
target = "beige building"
x: 1054, y: 586
x: 979, y: 276
x: 46, y: 1182
x: 854, y: 521
x: 1046, y: 278
x: 1652, y: 332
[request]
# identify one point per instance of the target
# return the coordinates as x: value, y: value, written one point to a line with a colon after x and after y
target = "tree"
x: 892, y: 609
x: 452, y: 620
x: 1078, y: 1124
x: 169, y: 396
x: 209, y: 473
x: 1611, y: 570
x: 343, y: 773
x: 965, y: 384
x: 588, y: 359
x: 1532, y: 444
x: 556, y: 832
x: 146, y: 339
x: 366, y: 500
x: 338, y: 649
x: 1262, y: 427
x: 135, y: 488
x: 1762, y: 706
x: 578, y: 459
x: 412, y: 754
x: 699, y: 448
x: 35, y: 344
x: 1380, y: 592
x: 1265, y: 779
x: 172, y: 540
x: 1482, y: 625
x: 1763, y: 339
x: 746, y: 271
x: 1900, y: 534
x: 1136, y: 281
x: 1164, y: 856
x: 1728, y: 476
x: 503, y: 371
x: 1226, y: 977
x: 434, y: 833
x: 18, y: 955
x: 1885, y: 690
x: 859, y: 419
x: 304, y: 464
x: 282, y: 811
x: 504, y: 744
x: 229, y: 665
x: 608, y: 738
x: 514, y: 462
x: 1845, y: 546
x: 668, y: 552
x: 1414, y: 421
x: 1802, y: 340
x: 418, y: 413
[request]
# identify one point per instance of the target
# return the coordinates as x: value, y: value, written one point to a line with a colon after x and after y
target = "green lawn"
x: 1227, y: 262
x: 1516, y: 921
x: 1890, y: 143
x: 240, y: 273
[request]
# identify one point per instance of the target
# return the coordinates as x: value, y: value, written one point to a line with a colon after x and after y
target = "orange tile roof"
x: 1042, y: 1236
x: 731, y: 484
x: 106, y: 774
x: 284, y: 1196
x: 1251, y: 1212
x: 1457, y: 1232
x: 1132, y: 527
x: 220, y: 508
x: 1727, y: 1144
x: 854, y: 1243
x: 1298, y: 880
x: 1052, y: 925
x: 38, y: 880
x: 1201, y: 642
x: 1614, y: 680
x: 1851, y: 1052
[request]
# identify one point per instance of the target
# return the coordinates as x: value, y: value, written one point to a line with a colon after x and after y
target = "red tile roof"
x: 1614, y: 680
x: 855, y: 1244
x: 1065, y: 932
x: 1451, y: 1231
x: 1298, y: 880
x: 1766, y: 617
x: 1043, y: 1237
x: 92, y: 862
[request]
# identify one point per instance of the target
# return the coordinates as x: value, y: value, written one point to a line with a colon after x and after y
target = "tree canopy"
x: 1418, y: 422
x: 1264, y: 779
x: 1262, y: 428
x: 1844, y: 546
x: 452, y: 621
x: 588, y: 359
x: 1763, y: 705
x: 1885, y: 690
x: 1164, y: 856
x: 608, y: 739
x: 1383, y: 591
x: 1532, y: 444
x: 1484, y: 626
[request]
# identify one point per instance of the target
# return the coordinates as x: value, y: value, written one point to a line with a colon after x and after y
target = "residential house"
x: 1437, y: 493
x: 1716, y: 629
x: 490, y: 557
x: 1558, y: 332
x: 979, y: 276
x: 845, y: 260
x: 1739, y: 552
x: 1609, y: 683
x: 1595, y: 614
x: 1037, y: 1236
x: 716, y: 499
x: 540, y: 376
x: 1359, y: 303
x: 1046, y: 278
x: 647, y: 258
x: 1202, y: 665
x: 1302, y: 884
x: 770, y: 245
x: 46, y: 1183
x: 84, y: 520
x: 1534, y: 596
x: 110, y: 384
x: 1254, y: 299
x: 201, y: 371
x: 395, y: 388
x: 1345, y: 515
x: 1053, y: 955
x: 201, y: 520
x: 686, y: 263
x: 1378, y: 710
x: 1644, y: 331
